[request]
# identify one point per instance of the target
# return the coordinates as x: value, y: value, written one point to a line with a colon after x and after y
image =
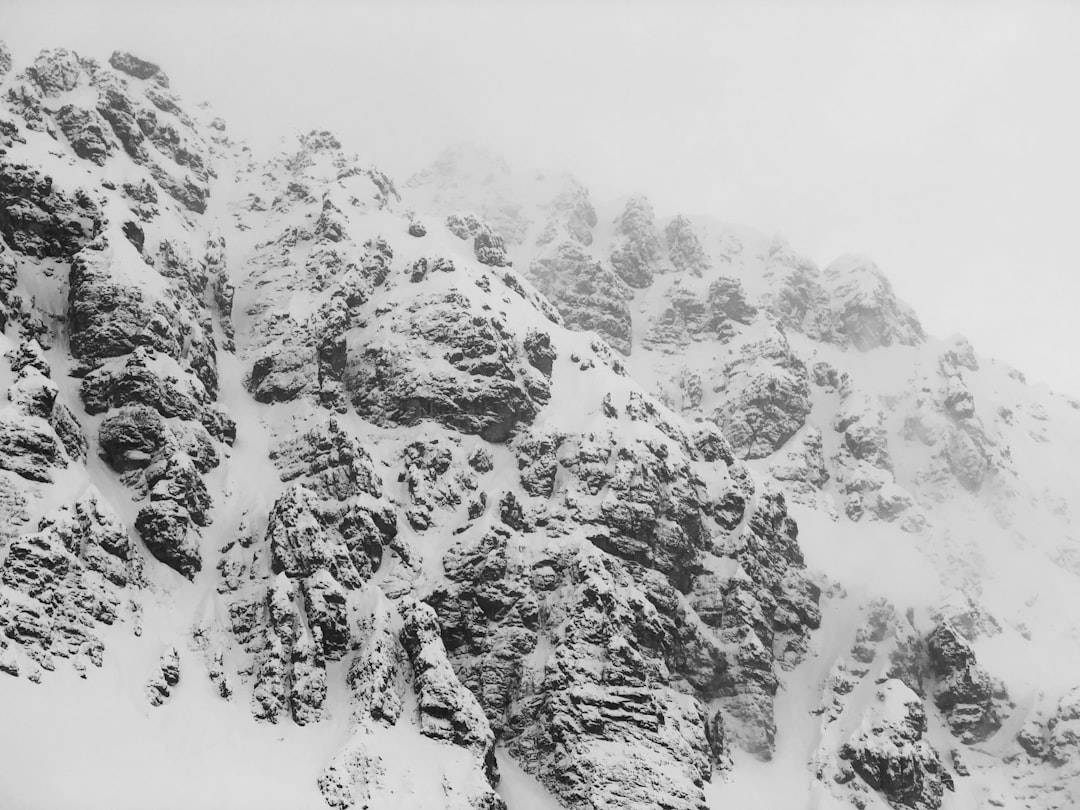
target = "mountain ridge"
x: 502, y: 476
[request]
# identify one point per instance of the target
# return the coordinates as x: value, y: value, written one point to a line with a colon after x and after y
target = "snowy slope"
x: 321, y: 489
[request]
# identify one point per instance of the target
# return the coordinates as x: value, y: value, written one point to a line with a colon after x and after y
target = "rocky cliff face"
x: 492, y: 487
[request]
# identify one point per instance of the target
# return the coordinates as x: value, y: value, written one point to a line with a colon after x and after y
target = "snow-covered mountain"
x: 325, y: 488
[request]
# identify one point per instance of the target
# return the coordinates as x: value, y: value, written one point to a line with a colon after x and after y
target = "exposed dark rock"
x: 283, y: 376
x: 865, y: 307
x: 136, y: 382
x: 69, y: 431
x: 324, y: 607
x: 963, y: 691
x: 588, y: 295
x: 684, y: 248
x: 29, y: 447
x: 68, y: 577
x: 798, y: 299
x: 572, y: 214
x: 87, y: 133
x: 767, y: 398
x: 130, y: 437
x: 483, y: 384
x: 1050, y: 734
x: 300, y: 543
x: 37, y: 219
x: 139, y: 68
x: 166, y: 529
x: 539, y: 351
x: 488, y: 246
x: 58, y: 71
x: 448, y: 711
x: 108, y: 319
x: 160, y: 686
x: 177, y: 479
x: 635, y: 252
x: 889, y: 753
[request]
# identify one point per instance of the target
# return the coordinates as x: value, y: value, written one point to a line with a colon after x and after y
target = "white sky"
x: 942, y: 139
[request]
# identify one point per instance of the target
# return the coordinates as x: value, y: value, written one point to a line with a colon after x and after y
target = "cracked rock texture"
x: 474, y: 487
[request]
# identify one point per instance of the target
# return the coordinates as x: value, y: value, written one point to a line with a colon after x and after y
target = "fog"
x: 940, y: 139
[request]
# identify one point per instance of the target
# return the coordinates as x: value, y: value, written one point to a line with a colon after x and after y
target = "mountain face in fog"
x: 325, y: 488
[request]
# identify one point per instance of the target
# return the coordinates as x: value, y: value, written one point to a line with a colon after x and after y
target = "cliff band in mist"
x: 321, y: 488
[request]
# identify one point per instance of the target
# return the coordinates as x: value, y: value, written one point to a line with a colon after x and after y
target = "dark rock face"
x: 481, y: 382
x: 70, y: 575
x: 300, y: 545
x: 1050, y: 735
x: 628, y: 588
x: 890, y: 755
x: 58, y: 71
x: 688, y: 318
x: 572, y: 214
x: 635, y: 252
x: 488, y: 246
x: 864, y: 461
x: 865, y: 308
x: 684, y: 248
x: 140, y: 69
x: 326, y: 535
x: 130, y: 437
x: 588, y: 295
x: 37, y: 219
x: 136, y: 381
x: 727, y: 302
x: 29, y: 448
x: 539, y: 351
x: 963, y: 690
x: 87, y: 133
x: 159, y: 688
x: 126, y: 328
x: 767, y: 398
x: 165, y: 527
x: 799, y: 300
x: 38, y: 433
x: 448, y: 711
x: 640, y: 636
x: 109, y: 319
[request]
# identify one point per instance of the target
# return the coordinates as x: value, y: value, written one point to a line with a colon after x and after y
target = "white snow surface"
x: 95, y: 742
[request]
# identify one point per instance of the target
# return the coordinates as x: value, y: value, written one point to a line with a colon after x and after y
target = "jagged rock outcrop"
x: 888, y: 751
x: 42, y: 220
x: 1051, y: 735
x: 621, y: 637
x: 572, y: 212
x: 798, y: 297
x: 588, y: 295
x: 139, y: 68
x: 479, y: 382
x: 766, y: 397
x: 59, y: 584
x: 689, y: 317
x: 963, y: 691
x: 440, y: 517
x: 165, y: 679
x: 865, y: 308
x: 487, y: 245
x: 635, y: 250
x: 684, y: 247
